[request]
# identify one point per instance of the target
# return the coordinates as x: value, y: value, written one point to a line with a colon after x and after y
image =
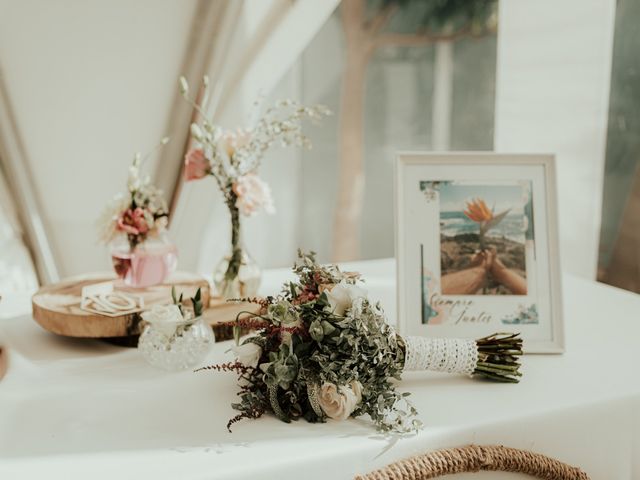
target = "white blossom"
x: 340, y: 402
x: 184, y: 86
x: 108, y: 219
x: 248, y: 354
x: 164, y: 317
x: 342, y: 296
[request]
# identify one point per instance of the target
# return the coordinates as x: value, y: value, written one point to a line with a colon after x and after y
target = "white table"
x: 85, y: 409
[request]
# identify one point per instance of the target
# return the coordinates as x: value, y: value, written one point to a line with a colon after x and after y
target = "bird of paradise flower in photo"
x: 478, y: 212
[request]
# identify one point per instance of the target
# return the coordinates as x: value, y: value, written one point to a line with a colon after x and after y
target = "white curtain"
x: 17, y: 273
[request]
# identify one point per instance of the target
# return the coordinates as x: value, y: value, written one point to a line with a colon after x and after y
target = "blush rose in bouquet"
x: 322, y: 349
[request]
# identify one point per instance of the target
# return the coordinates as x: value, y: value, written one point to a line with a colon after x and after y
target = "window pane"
x: 619, y: 259
x: 415, y: 98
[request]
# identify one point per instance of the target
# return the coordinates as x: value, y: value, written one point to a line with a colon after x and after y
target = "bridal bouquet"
x: 324, y: 350
x: 232, y: 158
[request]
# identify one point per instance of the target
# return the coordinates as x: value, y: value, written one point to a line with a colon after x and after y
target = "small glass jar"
x: 150, y: 262
x: 176, y: 346
x: 244, y: 285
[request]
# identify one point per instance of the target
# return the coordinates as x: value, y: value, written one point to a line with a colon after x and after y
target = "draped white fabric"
x: 91, y: 83
x: 17, y: 273
x: 77, y: 409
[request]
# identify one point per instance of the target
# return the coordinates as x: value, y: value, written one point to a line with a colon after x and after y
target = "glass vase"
x: 243, y: 285
x: 149, y: 263
x: 176, y: 346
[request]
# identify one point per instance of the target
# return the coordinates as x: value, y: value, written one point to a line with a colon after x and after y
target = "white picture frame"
x: 477, y: 247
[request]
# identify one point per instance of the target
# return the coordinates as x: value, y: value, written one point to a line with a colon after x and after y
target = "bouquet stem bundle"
x: 498, y: 357
x: 495, y: 357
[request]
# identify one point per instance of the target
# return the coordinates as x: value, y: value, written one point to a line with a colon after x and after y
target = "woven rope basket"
x: 474, y: 458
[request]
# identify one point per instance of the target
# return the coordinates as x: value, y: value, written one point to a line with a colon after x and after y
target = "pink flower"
x: 133, y: 222
x: 196, y: 165
x: 252, y: 194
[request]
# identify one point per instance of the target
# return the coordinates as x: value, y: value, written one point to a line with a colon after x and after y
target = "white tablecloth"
x: 84, y: 409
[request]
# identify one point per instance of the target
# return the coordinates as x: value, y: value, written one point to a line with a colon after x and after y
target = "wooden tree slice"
x: 57, y: 309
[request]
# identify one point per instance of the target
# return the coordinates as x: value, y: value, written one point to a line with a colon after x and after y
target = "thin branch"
x: 377, y: 23
x: 252, y: 412
x: 417, y: 39
x: 353, y: 13
x: 227, y: 367
x: 490, y: 30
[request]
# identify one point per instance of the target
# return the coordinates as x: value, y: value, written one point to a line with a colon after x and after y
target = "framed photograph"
x: 477, y: 247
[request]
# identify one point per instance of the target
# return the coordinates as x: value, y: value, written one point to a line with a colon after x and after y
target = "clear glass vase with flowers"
x: 134, y: 225
x: 232, y: 158
x: 176, y: 336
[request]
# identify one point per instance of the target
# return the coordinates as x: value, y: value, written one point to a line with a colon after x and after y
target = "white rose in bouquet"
x: 342, y: 295
x: 340, y: 402
x: 164, y: 317
x: 248, y: 354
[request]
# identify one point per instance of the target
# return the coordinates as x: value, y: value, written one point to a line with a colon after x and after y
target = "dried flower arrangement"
x: 141, y: 213
x: 233, y: 158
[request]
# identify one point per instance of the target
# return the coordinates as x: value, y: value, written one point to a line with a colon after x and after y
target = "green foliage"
x: 305, y: 345
x: 196, y: 302
x: 440, y: 16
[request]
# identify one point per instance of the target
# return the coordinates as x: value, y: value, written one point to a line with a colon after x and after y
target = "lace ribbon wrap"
x: 451, y: 355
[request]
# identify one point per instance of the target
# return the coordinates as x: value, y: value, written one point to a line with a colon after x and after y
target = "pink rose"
x: 252, y: 194
x: 133, y: 222
x: 196, y: 165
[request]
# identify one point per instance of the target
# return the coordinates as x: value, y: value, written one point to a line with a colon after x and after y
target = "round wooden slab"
x: 57, y: 309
